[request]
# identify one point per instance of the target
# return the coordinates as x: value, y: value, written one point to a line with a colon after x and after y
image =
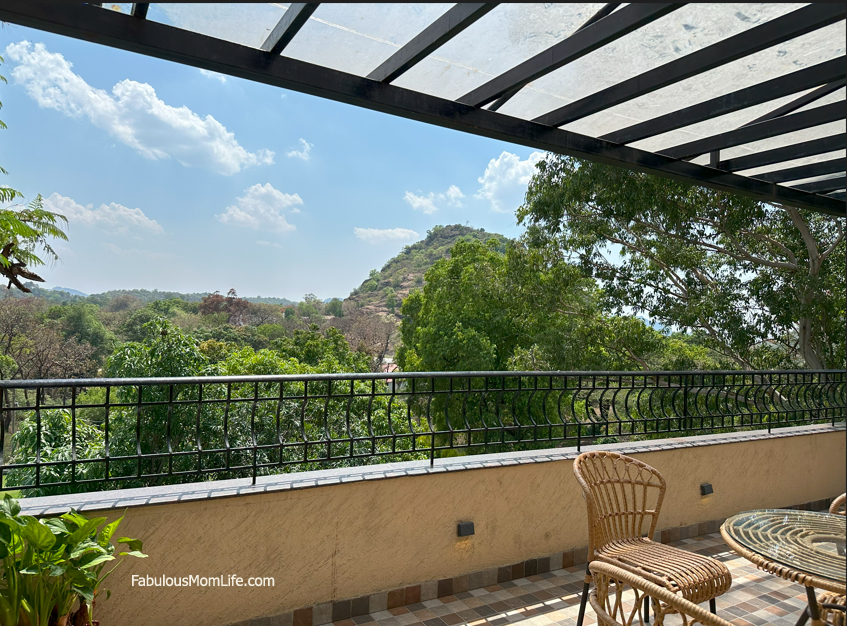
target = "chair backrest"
x: 838, y: 505
x: 618, y: 607
x: 623, y: 497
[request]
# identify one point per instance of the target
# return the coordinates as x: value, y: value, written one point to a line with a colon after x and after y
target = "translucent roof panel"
x: 810, y: 49
x: 357, y: 38
x: 824, y: 130
x: 248, y: 24
x: 816, y: 179
x: 838, y: 154
x: 505, y: 37
x: 686, y: 30
x: 711, y: 127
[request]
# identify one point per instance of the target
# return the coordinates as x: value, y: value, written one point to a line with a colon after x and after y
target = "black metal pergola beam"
x: 763, y: 130
x: 593, y: 37
x: 603, y: 12
x: 294, y: 18
x: 442, y: 30
x: 771, y: 33
x: 822, y: 186
x: 799, y: 103
x: 194, y: 49
x: 786, y: 153
x: 801, y: 80
x: 821, y: 168
x: 139, y: 9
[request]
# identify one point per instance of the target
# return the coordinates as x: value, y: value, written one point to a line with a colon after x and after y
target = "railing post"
x: 685, y: 414
x: 3, y: 433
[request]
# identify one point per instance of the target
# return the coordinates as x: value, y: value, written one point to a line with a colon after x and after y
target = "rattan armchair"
x: 838, y: 505
x: 832, y: 605
x: 624, y: 497
x: 619, y: 594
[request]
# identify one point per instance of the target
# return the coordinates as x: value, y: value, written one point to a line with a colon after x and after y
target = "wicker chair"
x: 624, y: 497
x: 828, y: 601
x: 615, y: 606
x: 837, y: 506
x: 832, y: 608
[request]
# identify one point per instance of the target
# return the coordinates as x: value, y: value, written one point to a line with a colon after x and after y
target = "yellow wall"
x: 344, y: 541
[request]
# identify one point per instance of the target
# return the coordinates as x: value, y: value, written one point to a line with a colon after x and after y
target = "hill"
x: 405, y: 271
x: 269, y: 300
x: 73, y: 292
x: 63, y: 295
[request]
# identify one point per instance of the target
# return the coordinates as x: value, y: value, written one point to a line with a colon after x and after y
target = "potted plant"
x: 53, y: 568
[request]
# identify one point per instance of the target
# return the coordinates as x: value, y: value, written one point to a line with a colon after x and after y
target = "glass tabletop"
x: 806, y: 541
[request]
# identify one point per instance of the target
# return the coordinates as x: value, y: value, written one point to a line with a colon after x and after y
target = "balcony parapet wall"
x: 360, y: 539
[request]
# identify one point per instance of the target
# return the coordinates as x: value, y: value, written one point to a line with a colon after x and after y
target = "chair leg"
x: 584, y: 600
x: 712, y: 607
x: 804, y: 617
x: 646, y: 609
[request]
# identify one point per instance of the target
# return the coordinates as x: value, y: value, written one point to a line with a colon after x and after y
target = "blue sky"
x: 181, y: 180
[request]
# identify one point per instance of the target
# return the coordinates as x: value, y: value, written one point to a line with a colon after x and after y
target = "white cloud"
x: 261, y: 208
x: 425, y: 204
x: 213, y: 75
x: 132, y: 113
x: 303, y: 152
x: 112, y: 217
x: 429, y: 203
x: 505, y: 180
x: 268, y: 243
x: 376, y: 235
x: 454, y: 195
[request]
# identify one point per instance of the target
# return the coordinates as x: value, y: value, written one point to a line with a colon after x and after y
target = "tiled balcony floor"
x: 755, y: 598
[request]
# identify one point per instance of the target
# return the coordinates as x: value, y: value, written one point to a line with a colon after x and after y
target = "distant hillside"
x: 145, y: 295
x: 264, y: 300
x: 406, y: 270
x: 73, y: 292
x: 61, y: 295
x: 56, y: 296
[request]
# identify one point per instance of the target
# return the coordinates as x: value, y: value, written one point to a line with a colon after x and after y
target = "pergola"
x: 743, y: 98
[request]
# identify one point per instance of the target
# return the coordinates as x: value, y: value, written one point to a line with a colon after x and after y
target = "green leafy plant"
x: 53, y: 568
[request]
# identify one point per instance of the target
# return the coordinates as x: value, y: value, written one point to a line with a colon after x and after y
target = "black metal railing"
x: 62, y: 436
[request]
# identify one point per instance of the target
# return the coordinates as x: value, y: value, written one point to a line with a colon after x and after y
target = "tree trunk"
x: 813, y: 360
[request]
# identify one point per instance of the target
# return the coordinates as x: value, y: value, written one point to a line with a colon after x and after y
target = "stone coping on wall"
x: 170, y: 494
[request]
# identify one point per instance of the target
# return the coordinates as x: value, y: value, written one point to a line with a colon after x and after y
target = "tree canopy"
x: 764, y: 285
x: 483, y: 309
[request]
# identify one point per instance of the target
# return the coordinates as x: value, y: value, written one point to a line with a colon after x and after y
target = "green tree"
x: 390, y: 299
x: 57, y: 446
x: 80, y: 320
x: 133, y: 329
x: 763, y: 284
x: 25, y: 233
x: 327, y: 351
x: 334, y: 308
x: 486, y: 310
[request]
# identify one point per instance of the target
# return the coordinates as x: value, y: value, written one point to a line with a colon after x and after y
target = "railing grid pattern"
x: 63, y: 436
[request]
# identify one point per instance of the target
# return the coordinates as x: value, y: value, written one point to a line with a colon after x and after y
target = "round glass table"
x: 802, y: 546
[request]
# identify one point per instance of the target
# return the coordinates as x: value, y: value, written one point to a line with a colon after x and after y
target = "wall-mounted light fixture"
x: 706, y: 489
x: 465, y: 529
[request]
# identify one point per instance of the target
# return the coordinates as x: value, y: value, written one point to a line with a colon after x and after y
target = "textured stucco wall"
x: 343, y: 541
